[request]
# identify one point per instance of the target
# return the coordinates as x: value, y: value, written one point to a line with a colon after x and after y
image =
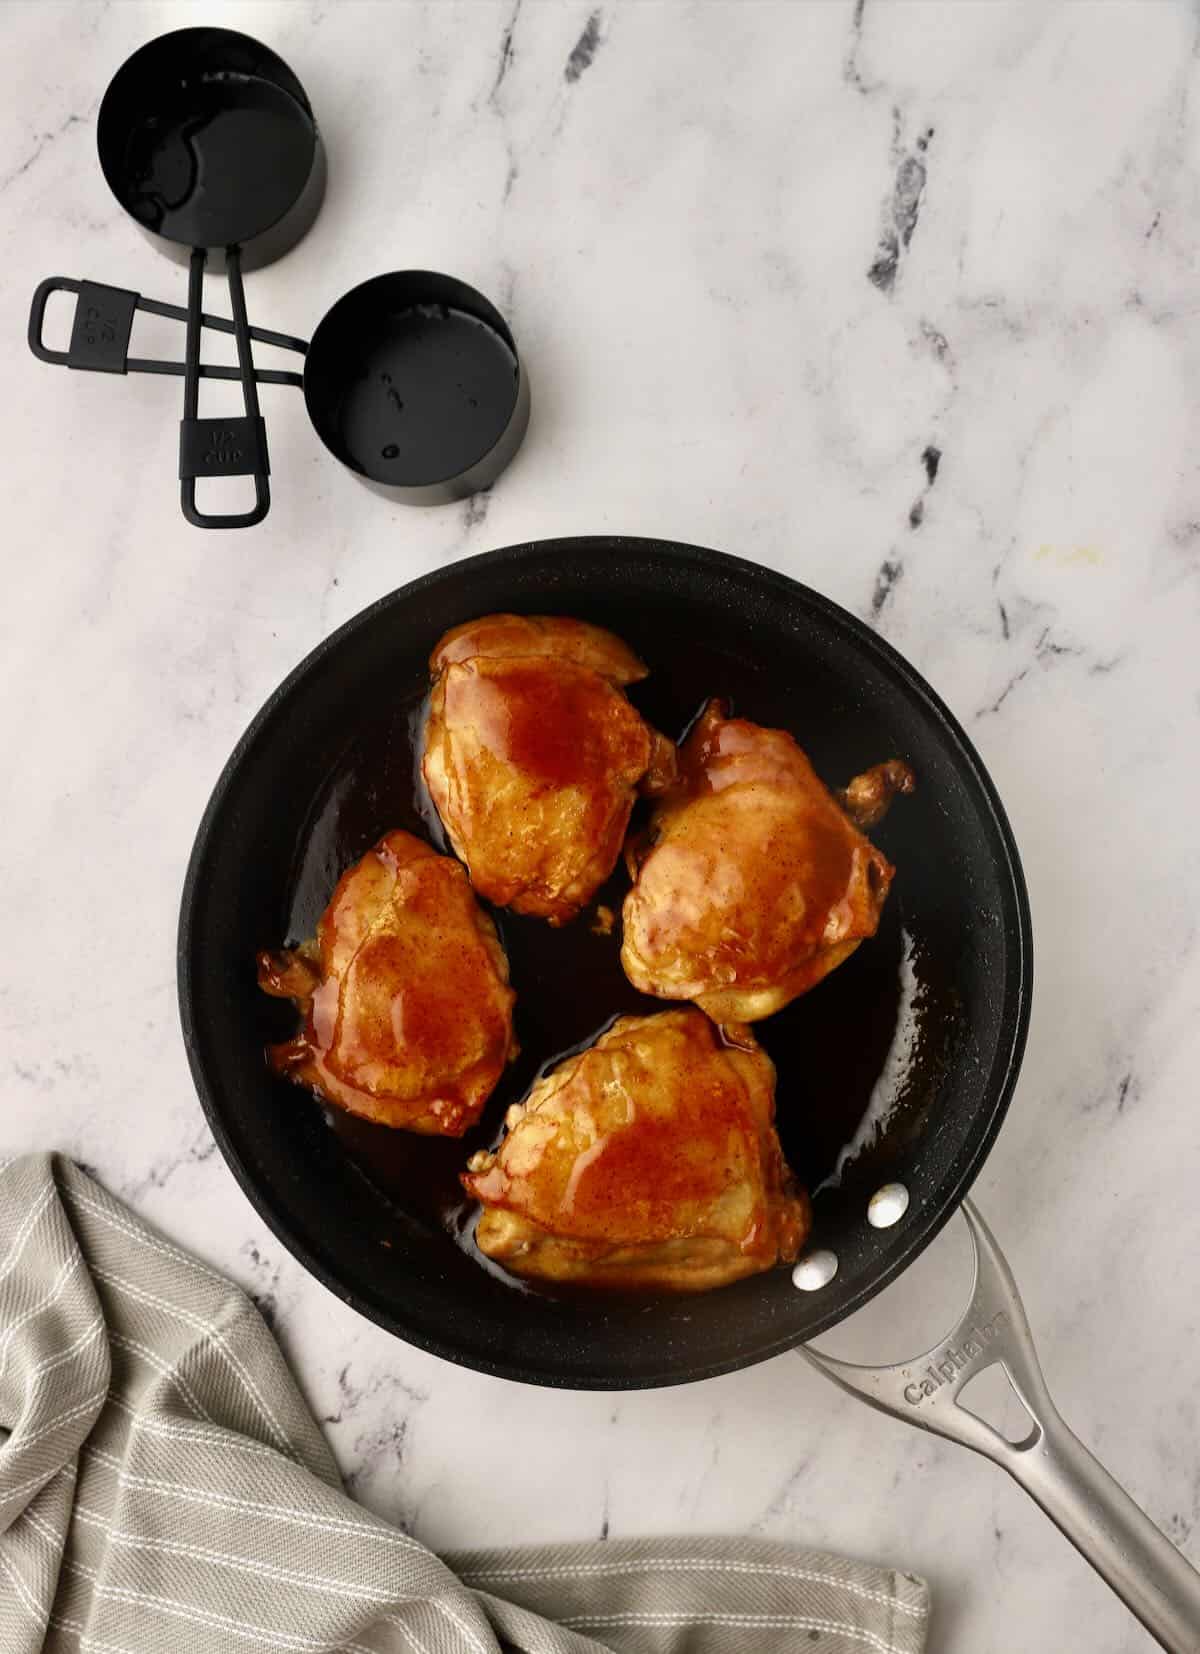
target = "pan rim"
x: 1014, y: 1022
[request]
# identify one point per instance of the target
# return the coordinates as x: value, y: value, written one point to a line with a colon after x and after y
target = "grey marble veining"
x: 897, y: 297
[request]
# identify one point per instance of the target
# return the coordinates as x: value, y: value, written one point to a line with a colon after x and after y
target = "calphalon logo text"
x: 955, y: 1361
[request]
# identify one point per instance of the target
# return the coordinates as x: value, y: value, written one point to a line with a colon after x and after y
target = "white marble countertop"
x: 759, y: 258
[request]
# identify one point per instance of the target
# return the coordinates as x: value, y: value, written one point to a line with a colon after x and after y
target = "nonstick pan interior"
x: 930, y: 1015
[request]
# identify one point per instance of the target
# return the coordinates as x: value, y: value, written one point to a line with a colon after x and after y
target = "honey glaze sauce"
x: 870, y: 1037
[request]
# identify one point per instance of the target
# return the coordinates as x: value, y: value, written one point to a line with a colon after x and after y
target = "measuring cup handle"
x: 99, y: 342
x: 1104, y: 1524
x: 101, y: 329
x: 221, y: 447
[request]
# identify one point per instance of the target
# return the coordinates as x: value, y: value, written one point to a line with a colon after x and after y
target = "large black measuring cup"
x: 208, y: 141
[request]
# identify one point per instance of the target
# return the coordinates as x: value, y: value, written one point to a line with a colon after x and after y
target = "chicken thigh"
x: 648, y: 1160
x: 404, y: 993
x: 754, y: 881
x: 533, y: 757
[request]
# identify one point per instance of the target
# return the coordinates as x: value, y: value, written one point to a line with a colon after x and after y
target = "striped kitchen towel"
x: 164, y: 1490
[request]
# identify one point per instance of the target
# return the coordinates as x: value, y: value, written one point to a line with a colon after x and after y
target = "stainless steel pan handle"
x: 1099, y: 1518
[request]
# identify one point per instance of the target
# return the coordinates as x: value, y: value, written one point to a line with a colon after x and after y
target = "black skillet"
x: 937, y: 1004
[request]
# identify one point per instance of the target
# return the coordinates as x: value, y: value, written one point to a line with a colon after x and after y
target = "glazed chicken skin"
x: 755, y: 881
x: 404, y: 993
x: 649, y: 1160
x: 534, y: 757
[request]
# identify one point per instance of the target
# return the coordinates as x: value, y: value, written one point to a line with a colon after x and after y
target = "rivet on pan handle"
x: 1096, y: 1514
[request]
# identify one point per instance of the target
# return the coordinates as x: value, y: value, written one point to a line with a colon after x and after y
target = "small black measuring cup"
x: 208, y: 141
x: 412, y: 380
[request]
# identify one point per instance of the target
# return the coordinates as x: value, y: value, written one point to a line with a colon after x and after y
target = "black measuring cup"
x: 208, y: 141
x: 412, y: 380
